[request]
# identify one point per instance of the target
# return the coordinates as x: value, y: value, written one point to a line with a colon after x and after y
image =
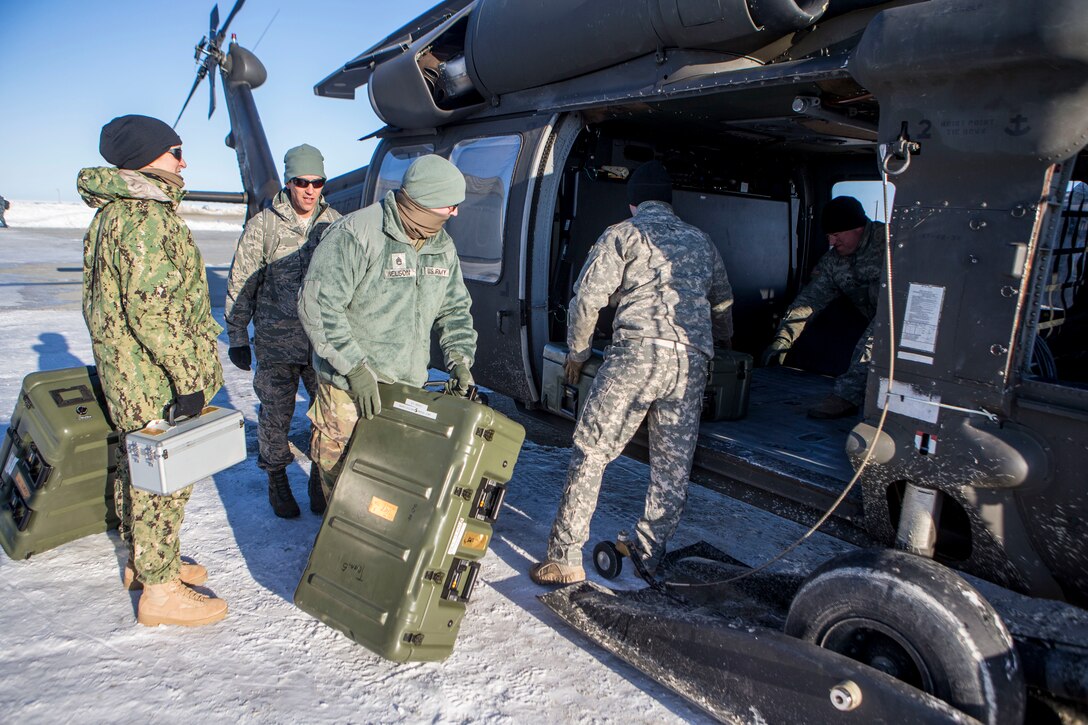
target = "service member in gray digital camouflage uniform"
x: 147, y: 308
x: 852, y: 267
x: 673, y: 301
x: 382, y: 279
x: 269, y: 264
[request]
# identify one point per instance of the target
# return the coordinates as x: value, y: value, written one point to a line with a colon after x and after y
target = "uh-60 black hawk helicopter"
x: 973, y: 441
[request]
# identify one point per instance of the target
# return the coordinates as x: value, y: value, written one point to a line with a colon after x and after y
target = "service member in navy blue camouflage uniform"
x: 269, y: 264
x: 673, y: 301
x: 852, y: 267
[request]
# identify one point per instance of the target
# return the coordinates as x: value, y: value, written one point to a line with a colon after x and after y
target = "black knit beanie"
x: 133, y: 142
x: 843, y: 213
x: 650, y: 182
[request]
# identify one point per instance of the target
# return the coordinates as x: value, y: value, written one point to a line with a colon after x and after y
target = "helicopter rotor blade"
x: 211, y: 93
x: 213, y: 25
x: 196, y: 82
x: 226, y: 24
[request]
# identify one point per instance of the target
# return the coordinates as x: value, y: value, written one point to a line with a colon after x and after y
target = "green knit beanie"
x: 303, y: 160
x: 433, y: 182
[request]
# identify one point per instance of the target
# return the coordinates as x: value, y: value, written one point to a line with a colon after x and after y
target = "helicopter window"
x: 488, y: 166
x: 394, y: 164
x: 869, y: 193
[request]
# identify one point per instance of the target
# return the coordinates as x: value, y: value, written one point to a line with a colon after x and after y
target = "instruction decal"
x: 922, y: 318
x: 908, y: 400
x: 458, y: 533
x: 415, y: 407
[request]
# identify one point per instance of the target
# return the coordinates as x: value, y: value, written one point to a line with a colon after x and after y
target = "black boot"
x: 279, y: 495
x: 317, y: 494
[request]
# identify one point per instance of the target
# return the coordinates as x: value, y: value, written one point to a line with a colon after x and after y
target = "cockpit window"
x: 394, y: 164
x: 477, y: 230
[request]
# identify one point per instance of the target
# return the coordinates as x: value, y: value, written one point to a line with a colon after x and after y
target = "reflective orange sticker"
x: 382, y: 509
x: 474, y: 540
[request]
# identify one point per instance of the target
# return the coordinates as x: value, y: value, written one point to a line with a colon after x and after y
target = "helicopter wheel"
x: 917, y: 621
x: 607, y: 560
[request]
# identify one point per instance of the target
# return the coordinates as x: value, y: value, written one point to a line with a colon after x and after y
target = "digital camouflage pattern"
x: 266, y: 274
x: 369, y: 297
x: 147, y: 308
x: 276, y: 386
x: 334, y: 415
x: 669, y: 278
x: 637, y: 380
x: 673, y: 300
x: 856, y: 276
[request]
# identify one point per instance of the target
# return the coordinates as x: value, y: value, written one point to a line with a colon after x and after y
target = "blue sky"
x: 72, y: 65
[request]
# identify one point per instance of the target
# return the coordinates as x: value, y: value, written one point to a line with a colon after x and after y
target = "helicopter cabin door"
x: 498, y: 161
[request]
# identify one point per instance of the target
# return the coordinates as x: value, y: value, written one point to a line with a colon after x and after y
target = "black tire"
x: 917, y: 621
x: 607, y: 560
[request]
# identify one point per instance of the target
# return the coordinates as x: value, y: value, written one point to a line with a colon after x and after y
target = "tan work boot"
x: 552, y: 572
x: 175, y: 603
x: 832, y: 407
x: 192, y: 574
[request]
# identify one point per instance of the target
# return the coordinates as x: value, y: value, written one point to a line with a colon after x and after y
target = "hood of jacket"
x: 101, y: 185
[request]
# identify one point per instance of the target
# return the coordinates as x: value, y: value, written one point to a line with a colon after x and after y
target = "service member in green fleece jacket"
x: 382, y: 279
x: 146, y: 304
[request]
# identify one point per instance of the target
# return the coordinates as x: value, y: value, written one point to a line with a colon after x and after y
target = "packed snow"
x: 74, y: 652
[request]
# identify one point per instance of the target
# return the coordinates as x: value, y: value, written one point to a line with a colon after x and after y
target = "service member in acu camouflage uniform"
x: 381, y: 281
x: 673, y: 300
x: 852, y: 267
x: 265, y: 276
x: 145, y: 301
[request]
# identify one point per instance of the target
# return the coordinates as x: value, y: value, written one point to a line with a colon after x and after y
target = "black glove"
x: 363, y: 387
x: 775, y: 354
x: 241, y: 357
x: 460, y: 380
x: 186, y: 406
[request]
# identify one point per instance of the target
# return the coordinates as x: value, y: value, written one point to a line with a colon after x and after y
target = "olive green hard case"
x: 58, y: 456
x: 410, y: 517
x: 729, y: 375
x: 556, y: 394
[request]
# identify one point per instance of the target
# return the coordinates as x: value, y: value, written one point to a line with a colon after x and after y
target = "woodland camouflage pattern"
x: 146, y: 305
x: 857, y: 277
x: 265, y: 290
x: 672, y: 294
x: 269, y: 263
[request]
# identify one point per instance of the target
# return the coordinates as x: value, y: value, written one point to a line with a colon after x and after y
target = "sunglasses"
x: 175, y: 152
x: 305, y: 183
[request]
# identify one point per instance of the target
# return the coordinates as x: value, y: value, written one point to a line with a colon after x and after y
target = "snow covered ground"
x: 73, y: 651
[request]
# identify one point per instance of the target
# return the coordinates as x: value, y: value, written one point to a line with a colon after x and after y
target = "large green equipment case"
x: 58, y: 455
x: 556, y: 394
x: 410, y: 517
x: 729, y: 375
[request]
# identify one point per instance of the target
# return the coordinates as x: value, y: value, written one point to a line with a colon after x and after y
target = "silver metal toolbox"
x: 164, y: 459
